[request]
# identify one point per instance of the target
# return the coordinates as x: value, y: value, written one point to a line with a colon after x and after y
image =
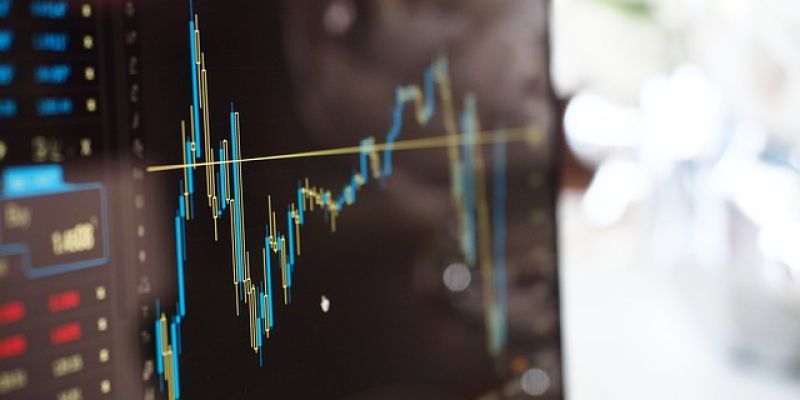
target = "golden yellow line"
x: 527, y: 133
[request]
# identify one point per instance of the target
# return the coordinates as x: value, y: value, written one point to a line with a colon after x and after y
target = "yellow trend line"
x: 530, y: 133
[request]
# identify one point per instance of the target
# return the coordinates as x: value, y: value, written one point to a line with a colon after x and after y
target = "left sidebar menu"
x: 59, y: 254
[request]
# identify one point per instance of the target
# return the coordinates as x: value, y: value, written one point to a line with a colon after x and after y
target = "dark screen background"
x: 393, y: 330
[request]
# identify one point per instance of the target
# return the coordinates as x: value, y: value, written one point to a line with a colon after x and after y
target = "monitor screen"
x: 344, y: 199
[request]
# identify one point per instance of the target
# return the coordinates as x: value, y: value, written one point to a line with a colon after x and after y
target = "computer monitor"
x: 260, y: 199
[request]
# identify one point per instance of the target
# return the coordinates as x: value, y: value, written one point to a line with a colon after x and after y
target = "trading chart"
x: 335, y: 199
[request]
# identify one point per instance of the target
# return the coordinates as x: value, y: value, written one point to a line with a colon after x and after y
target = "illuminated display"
x: 54, y: 74
x: 52, y: 9
x: 6, y: 74
x: 171, y: 232
x: 57, y: 259
x: 6, y: 39
x: 51, y: 41
x: 8, y: 108
x: 5, y: 8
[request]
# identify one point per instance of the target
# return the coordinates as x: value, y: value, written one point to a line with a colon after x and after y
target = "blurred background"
x: 680, y: 202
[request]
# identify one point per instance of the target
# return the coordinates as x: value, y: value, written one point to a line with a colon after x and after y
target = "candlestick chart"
x: 264, y: 269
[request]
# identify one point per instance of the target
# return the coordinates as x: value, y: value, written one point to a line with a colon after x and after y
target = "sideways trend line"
x: 531, y: 134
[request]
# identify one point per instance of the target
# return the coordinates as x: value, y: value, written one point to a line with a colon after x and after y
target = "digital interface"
x: 299, y: 199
